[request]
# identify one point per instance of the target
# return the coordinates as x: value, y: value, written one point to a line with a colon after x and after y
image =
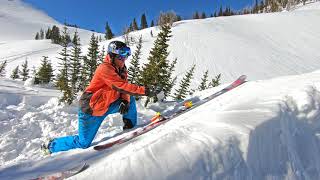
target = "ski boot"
x: 45, y: 147
x: 127, y: 124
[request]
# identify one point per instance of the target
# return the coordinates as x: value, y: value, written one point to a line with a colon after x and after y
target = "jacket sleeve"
x: 113, y: 80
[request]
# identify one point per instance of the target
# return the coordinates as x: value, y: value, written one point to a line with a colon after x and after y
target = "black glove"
x: 152, y: 90
x: 124, y: 106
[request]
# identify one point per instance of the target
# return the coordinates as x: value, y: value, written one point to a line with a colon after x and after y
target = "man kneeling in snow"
x: 108, y: 92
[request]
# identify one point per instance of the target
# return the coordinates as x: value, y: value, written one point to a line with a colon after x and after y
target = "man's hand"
x: 152, y: 90
x: 124, y: 107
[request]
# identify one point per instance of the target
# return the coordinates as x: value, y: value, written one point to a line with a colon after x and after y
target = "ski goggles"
x: 121, y: 58
x: 123, y: 52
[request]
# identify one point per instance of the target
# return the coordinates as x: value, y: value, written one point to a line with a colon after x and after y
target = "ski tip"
x: 96, y: 148
x: 243, y: 77
x: 101, y: 147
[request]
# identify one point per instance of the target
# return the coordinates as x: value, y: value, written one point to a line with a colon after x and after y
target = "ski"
x: 160, y: 119
x: 64, y: 174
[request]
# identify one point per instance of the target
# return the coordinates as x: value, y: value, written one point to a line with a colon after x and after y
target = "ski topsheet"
x: 161, y: 119
x: 64, y: 174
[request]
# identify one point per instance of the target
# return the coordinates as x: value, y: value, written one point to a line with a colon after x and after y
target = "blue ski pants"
x: 88, y: 126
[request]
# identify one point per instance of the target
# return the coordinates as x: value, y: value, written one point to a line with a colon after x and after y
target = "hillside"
x: 20, y: 21
x: 260, y: 45
x: 19, y: 24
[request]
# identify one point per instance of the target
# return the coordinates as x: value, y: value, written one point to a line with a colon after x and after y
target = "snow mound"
x: 262, y: 129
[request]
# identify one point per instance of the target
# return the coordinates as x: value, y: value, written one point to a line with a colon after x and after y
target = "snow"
x: 21, y: 21
x: 268, y: 128
x: 260, y: 45
x: 19, y: 24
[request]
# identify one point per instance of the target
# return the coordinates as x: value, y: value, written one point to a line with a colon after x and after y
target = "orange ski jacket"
x: 108, y: 84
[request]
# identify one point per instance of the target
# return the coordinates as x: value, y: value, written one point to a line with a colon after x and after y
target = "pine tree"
x: 155, y: 72
x: 34, y: 75
x: 184, y: 85
x: 143, y: 22
x: 126, y: 36
x: 274, y: 6
x: 171, y: 70
x: 41, y: 34
x: 75, y: 63
x: 215, y: 81
x: 15, y: 73
x: 135, y: 25
x: 3, y: 68
x: 256, y: 7
x: 152, y: 24
x: 63, y: 76
x: 167, y: 18
x: 204, y: 81
x: 220, y: 11
x: 196, y: 15
x: 55, y: 35
x: 68, y: 38
x: 129, y: 29
x: 172, y: 83
x: 203, y: 15
x: 25, y: 71
x: 90, y: 63
x: 261, y: 7
x: 102, y: 55
x: 179, y: 18
x: 83, y: 82
x: 108, y: 34
x: 45, y: 72
x: 37, y: 36
x: 48, y: 33
x: 134, y: 69
x: 227, y: 12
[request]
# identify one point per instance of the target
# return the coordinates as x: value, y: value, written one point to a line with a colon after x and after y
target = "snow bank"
x: 262, y: 130
x: 30, y: 114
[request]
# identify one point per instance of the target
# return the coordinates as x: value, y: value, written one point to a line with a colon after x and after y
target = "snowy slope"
x: 19, y: 24
x: 265, y: 129
x: 260, y: 45
x: 20, y: 21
